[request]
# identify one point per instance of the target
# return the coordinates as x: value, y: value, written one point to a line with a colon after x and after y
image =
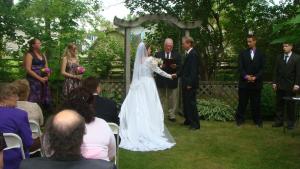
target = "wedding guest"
x: 286, y: 83
x: 105, y: 109
x: 98, y: 141
x: 167, y: 87
x: 2, y: 147
x: 251, y: 66
x: 70, y: 63
x: 33, y: 109
x: 13, y: 120
x: 38, y: 73
x: 65, y: 132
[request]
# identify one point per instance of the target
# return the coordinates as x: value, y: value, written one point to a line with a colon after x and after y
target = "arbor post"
x: 187, y: 32
x: 127, y: 58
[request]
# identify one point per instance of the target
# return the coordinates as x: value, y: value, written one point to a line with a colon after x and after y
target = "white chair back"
x: 116, y: 130
x: 13, y: 141
x: 36, y: 130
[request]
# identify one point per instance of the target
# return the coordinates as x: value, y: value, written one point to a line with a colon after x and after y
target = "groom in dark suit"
x: 286, y: 83
x: 251, y: 66
x: 190, y: 80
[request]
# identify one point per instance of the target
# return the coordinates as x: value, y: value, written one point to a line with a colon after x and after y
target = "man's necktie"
x: 286, y: 58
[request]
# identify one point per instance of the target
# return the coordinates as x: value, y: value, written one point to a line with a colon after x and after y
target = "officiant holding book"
x: 168, y: 88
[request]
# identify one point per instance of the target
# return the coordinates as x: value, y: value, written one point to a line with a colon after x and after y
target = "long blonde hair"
x: 68, y: 52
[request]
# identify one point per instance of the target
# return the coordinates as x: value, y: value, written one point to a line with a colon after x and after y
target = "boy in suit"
x: 286, y: 83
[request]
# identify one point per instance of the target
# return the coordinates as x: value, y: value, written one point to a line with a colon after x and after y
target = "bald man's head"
x: 66, y: 120
x: 65, y: 132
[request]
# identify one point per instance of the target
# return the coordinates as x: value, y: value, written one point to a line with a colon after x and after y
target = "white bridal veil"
x: 140, y: 57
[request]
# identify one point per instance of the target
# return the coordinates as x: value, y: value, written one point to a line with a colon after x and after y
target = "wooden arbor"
x: 127, y: 25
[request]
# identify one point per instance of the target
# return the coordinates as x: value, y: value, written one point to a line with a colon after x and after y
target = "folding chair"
x: 35, y: 129
x: 13, y: 141
x: 115, y: 129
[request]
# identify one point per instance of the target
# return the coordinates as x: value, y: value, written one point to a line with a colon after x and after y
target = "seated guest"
x: 99, y: 141
x: 65, y: 135
x: 106, y: 109
x: 13, y: 120
x: 2, y: 147
x: 33, y: 109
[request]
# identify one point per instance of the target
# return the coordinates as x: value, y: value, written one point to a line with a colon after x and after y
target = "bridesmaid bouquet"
x: 45, y: 71
x: 80, y: 70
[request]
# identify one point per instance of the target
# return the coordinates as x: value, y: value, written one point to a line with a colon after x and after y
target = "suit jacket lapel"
x: 255, y: 55
x: 291, y: 59
x: 248, y: 56
x: 186, y: 58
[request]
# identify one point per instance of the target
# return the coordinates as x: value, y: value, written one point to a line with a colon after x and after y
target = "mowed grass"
x: 221, y: 146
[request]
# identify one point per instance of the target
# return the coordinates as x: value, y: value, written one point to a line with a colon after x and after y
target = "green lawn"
x: 221, y: 146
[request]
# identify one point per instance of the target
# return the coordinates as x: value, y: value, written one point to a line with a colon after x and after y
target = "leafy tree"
x: 7, y: 22
x: 108, y: 47
x: 288, y: 31
x: 55, y: 22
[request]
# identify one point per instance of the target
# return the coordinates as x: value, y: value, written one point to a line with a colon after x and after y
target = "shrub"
x: 214, y: 109
x: 268, y: 106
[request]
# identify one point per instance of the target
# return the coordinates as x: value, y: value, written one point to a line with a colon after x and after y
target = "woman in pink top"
x: 99, y: 141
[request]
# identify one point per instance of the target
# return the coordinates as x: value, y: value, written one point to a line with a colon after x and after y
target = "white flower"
x: 158, y: 61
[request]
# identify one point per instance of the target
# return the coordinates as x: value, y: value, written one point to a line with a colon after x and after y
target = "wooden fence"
x: 226, y: 91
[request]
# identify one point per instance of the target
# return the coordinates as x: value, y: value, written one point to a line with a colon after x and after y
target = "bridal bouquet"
x: 80, y: 70
x: 158, y: 61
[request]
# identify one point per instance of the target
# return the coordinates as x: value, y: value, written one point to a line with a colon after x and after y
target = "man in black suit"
x: 105, y: 109
x: 251, y: 66
x: 65, y: 133
x: 168, y: 88
x: 286, y: 83
x: 190, y: 80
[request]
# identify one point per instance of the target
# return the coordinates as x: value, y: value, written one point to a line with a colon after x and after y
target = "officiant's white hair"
x: 168, y: 40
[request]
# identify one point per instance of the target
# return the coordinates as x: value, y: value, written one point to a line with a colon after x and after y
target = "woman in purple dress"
x: 70, y: 63
x: 13, y: 120
x: 37, y: 74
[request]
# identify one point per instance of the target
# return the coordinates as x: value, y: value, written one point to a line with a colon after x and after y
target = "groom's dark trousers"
x: 190, y: 78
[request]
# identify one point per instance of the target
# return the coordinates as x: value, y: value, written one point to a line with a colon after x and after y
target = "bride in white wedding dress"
x: 141, y: 118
